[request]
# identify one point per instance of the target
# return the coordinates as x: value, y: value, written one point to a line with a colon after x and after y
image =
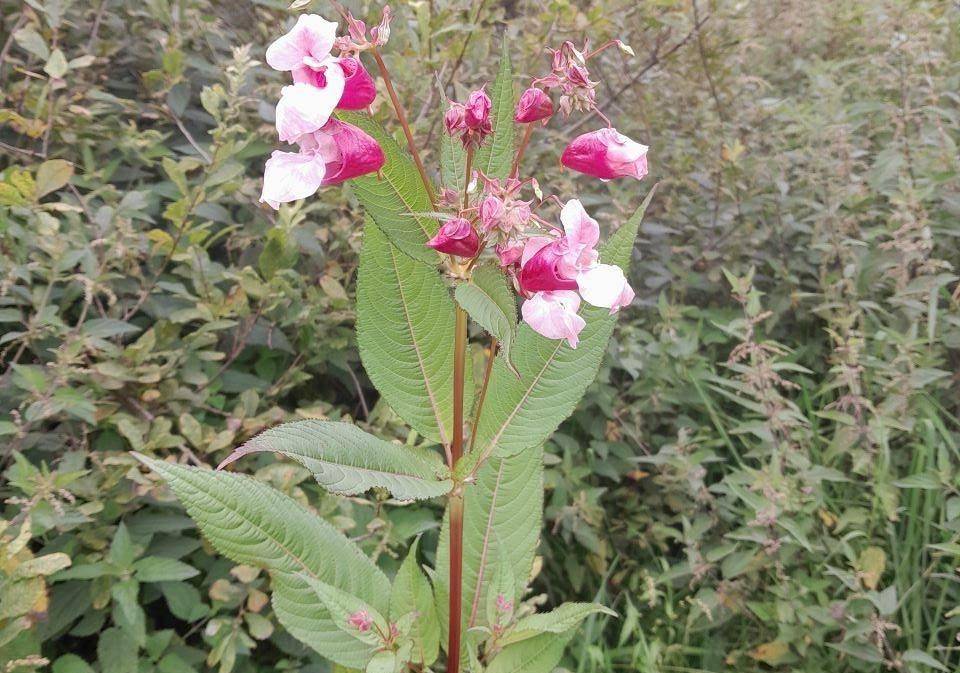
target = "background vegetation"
x: 766, y: 475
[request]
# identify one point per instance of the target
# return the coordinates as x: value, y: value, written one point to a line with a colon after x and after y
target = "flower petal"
x: 554, y: 315
x: 304, y: 108
x: 605, y: 285
x: 289, y: 176
x: 312, y: 36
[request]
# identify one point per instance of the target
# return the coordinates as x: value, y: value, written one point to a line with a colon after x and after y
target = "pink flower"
x: 606, y: 154
x: 533, y: 106
x: 605, y: 285
x: 477, y: 115
x: 456, y: 237
x: 540, y: 266
x: 359, y: 89
x: 454, y: 120
x: 554, y: 315
x: 491, y: 212
x: 503, y: 605
x: 360, y: 620
x: 307, y: 44
x: 304, y: 108
x: 335, y: 153
x: 509, y: 253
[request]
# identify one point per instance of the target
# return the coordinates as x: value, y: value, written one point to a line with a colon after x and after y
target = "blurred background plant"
x: 765, y: 475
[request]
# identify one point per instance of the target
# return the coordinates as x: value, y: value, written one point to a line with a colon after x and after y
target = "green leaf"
x: 502, y: 514
x: 71, y: 663
x: 495, y: 156
x: 122, y: 549
x: 251, y: 523
x: 565, y: 618
x: 522, y: 413
x: 161, y: 569
x: 117, y: 652
x: 405, y: 331
x: 453, y: 163
x: 398, y: 202
x: 346, y: 460
x: 539, y: 654
x: 412, y: 593
x: 54, y: 174
x: 489, y: 300
x: 343, y: 605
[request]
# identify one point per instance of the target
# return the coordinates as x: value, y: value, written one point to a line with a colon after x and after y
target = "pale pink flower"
x: 307, y: 44
x: 554, y: 315
x: 534, y: 105
x: 381, y: 32
x: 491, y: 212
x: 606, y: 154
x: 509, y: 253
x: 360, y: 620
x: 605, y: 285
x: 456, y: 237
x: 335, y: 153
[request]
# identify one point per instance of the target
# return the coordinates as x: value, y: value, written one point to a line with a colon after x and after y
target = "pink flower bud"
x: 360, y: 620
x: 359, y: 91
x: 491, y: 212
x: 606, y: 154
x: 477, y: 117
x: 534, y: 105
x: 381, y: 32
x: 503, y: 605
x: 509, y: 253
x: 454, y: 120
x: 456, y: 237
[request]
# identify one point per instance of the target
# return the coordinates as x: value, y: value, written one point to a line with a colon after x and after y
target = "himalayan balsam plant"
x: 431, y: 260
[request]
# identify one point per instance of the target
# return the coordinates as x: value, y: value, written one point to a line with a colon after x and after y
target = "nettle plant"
x: 431, y: 258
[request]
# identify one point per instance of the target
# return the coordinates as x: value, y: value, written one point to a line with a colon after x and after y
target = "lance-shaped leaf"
x: 453, y: 163
x: 252, y: 523
x: 501, y: 523
x: 346, y: 460
x: 412, y: 594
x: 495, y: 156
x: 565, y: 618
x: 522, y: 413
x: 488, y: 299
x: 405, y: 330
x: 537, y: 655
x: 395, y: 198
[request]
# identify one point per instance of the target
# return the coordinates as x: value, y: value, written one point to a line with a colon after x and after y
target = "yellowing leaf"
x: 52, y: 175
x: 871, y: 564
x: 771, y: 653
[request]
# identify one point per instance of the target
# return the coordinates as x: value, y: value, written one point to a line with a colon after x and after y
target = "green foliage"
x: 496, y: 155
x: 490, y: 301
x: 346, y: 460
x: 405, y: 323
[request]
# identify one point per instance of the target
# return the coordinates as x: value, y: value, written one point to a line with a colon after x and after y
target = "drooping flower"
x: 359, y: 89
x: 361, y: 620
x: 606, y: 154
x: 534, y: 105
x: 554, y: 315
x: 456, y: 237
x: 337, y: 152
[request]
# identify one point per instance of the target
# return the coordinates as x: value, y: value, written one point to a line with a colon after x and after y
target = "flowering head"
x: 456, y: 237
x: 534, y: 105
x: 360, y: 620
x: 471, y: 121
x: 606, y: 154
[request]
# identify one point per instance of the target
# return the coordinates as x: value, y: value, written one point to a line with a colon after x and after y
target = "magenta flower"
x: 359, y: 89
x: 471, y: 122
x: 554, y: 315
x: 606, y: 154
x: 335, y: 153
x: 360, y: 620
x: 534, y: 105
x: 456, y: 237
x: 477, y: 116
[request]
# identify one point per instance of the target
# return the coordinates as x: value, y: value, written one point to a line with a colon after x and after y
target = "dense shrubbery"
x: 766, y: 473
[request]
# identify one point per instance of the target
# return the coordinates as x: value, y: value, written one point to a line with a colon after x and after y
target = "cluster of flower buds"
x: 553, y: 268
x: 356, y: 39
x: 470, y: 121
x: 330, y: 151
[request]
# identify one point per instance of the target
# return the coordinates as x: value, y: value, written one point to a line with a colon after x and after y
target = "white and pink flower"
x: 606, y: 154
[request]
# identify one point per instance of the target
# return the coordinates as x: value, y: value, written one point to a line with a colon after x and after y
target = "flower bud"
x: 477, y: 116
x: 456, y: 237
x: 534, y: 105
x: 491, y: 212
x: 606, y: 154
